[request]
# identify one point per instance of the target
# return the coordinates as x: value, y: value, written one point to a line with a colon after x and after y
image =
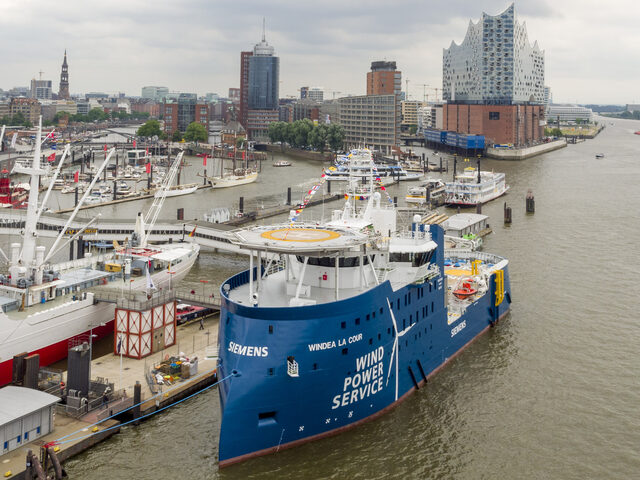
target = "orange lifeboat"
x: 465, y: 292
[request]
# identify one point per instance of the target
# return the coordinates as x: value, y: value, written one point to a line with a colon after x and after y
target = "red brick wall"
x: 517, y: 124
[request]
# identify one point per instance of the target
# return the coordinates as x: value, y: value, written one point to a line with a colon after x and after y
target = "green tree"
x: 240, y: 141
x: 149, y: 129
x: 302, y: 128
x: 318, y: 137
x: 413, y: 129
x: 196, y: 133
x: 273, y: 132
x: 18, y: 119
x: 578, y: 121
x: 176, y: 137
x: 335, y: 137
x: 95, y: 114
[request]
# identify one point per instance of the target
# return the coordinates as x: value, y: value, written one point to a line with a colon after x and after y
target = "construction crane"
x: 425, y: 87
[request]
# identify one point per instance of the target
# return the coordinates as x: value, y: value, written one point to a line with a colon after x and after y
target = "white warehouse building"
x: 25, y: 415
x: 568, y: 114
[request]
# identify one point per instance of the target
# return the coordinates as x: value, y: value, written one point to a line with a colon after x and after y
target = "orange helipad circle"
x: 300, y: 235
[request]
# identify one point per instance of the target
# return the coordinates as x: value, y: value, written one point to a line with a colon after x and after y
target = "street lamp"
x: 91, y: 325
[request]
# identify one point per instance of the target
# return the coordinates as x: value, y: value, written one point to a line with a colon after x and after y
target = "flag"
x: 52, y: 157
x: 105, y: 147
x: 134, y: 144
x: 53, y: 146
x: 146, y: 151
x: 193, y: 232
x: 51, y: 134
x: 204, y: 160
x: 147, y: 167
x: 13, y: 140
x: 76, y: 176
x: 346, y: 197
x: 243, y: 155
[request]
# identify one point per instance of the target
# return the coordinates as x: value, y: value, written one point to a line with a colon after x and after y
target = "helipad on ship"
x: 300, y: 235
x: 287, y: 238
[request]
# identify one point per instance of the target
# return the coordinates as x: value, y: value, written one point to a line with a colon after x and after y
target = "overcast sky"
x: 591, y: 47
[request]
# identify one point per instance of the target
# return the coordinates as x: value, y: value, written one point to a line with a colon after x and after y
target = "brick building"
x: 514, y: 124
x: 244, y: 87
x: 384, y: 79
x: 29, y: 107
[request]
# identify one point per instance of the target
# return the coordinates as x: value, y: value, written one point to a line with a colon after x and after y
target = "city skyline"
x: 123, y: 46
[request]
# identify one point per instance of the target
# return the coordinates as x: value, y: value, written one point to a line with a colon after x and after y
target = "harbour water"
x: 550, y: 392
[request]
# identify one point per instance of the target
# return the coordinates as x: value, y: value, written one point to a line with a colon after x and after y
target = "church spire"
x: 63, y: 93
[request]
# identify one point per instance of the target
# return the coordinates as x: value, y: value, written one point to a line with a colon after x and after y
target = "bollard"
x: 241, y: 205
x: 479, y: 208
x: 395, y: 201
x: 76, y: 193
x: 288, y: 195
x: 115, y: 189
x: 328, y: 186
x: 507, y: 213
x: 530, y: 202
x: 137, y: 398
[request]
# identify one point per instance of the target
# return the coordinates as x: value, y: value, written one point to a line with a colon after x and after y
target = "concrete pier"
x: 523, y: 153
x: 191, y: 340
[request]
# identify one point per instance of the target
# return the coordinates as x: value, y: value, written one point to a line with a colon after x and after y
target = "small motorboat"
x: 282, y: 163
x: 599, y: 155
x: 465, y: 292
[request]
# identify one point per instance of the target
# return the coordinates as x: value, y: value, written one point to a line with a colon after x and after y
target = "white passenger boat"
x: 472, y: 188
x: 432, y: 187
x: 358, y: 164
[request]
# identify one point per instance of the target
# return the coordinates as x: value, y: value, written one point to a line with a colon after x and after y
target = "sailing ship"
x: 45, y: 306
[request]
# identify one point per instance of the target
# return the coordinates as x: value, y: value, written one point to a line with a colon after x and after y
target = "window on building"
x: 494, y: 115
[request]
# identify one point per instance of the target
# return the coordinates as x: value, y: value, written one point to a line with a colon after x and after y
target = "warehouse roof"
x: 16, y: 402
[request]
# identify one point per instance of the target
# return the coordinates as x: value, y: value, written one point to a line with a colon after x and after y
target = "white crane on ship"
x: 145, y: 225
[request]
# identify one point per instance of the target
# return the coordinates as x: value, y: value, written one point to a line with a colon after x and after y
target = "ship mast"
x: 27, y: 255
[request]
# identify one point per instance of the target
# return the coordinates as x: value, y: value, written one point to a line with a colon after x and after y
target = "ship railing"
x: 473, y: 255
x: 276, y: 266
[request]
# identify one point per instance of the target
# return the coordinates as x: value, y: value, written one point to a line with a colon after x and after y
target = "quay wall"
x: 300, y: 153
x: 523, y: 153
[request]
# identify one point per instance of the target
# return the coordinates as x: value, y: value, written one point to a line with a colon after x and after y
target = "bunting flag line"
x: 312, y: 191
x: 52, y: 157
x: 379, y: 183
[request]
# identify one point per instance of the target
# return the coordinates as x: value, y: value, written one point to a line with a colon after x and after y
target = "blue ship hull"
x: 352, y: 364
